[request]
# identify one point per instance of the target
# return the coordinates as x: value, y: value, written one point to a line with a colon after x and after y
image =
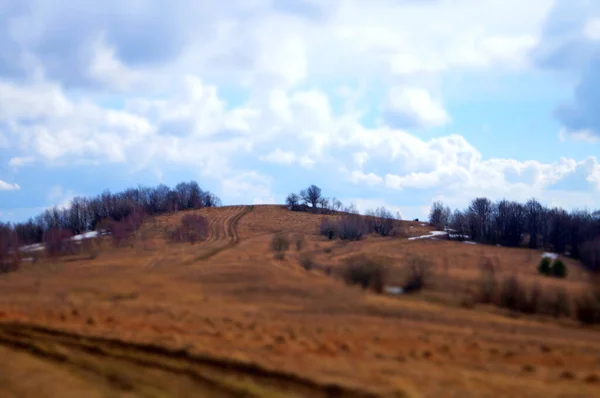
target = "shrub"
x: 512, y: 294
x: 488, y: 284
x: 10, y: 255
x: 381, y: 221
x: 192, y: 228
x: 555, y: 303
x: 366, y: 271
x: 559, y: 269
x: 58, y: 242
x: 88, y: 246
x: 307, y: 262
x: 300, y: 243
x: 418, y: 274
x: 545, y: 266
x: 587, y: 307
x: 328, y: 228
x: 280, y: 243
x: 118, y: 232
x: 279, y: 256
x: 351, y: 227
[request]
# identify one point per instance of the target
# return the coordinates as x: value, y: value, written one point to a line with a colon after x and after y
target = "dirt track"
x: 113, y: 367
x: 225, y: 228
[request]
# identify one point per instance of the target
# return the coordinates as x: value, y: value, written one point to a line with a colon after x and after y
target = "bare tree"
x: 534, y: 212
x: 459, y: 224
x: 439, y: 215
x: 311, y: 195
x: 381, y: 221
x: 480, y: 213
x: 324, y: 203
x: 292, y: 200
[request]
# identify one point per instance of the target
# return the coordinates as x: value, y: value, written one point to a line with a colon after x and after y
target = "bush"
x: 418, y: 274
x: 381, y: 221
x: 351, y: 227
x: 279, y: 256
x: 280, y: 243
x: 559, y: 269
x: 328, y: 228
x: 366, y: 271
x: 555, y: 303
x: 307, y: 262
x: 545, y: 266
x: 513, y: 295
x: 300, y: 243
x: 587, y: 309
x: 58, y: 242
x: 488, y: 284
x: 192, y: 228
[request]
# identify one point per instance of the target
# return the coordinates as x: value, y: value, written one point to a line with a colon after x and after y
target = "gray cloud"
x: 60, y: 35
x: 566, y: 47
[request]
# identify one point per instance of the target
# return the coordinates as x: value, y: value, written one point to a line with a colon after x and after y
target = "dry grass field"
x: 225, y: 318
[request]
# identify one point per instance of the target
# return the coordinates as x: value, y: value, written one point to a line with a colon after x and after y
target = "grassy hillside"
x: 229, y: 317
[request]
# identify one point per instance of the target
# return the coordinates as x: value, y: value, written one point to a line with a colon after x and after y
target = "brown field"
x: 224, y: 318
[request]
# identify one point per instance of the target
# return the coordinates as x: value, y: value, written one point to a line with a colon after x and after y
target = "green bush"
x: 545, y: 266
x: 558, y: 269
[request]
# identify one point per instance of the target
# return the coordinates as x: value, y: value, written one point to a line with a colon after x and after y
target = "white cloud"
x: 410, y: 107
x: 248, y: 184
x: 591, y: 29
x: 5, y: 186
x: 20, y: 161
x: 280, y: 157
x: 60, y: 197
x: 358, y: 177
x: 582, y: 135
x: 279, y: 69
x: 107, y: 69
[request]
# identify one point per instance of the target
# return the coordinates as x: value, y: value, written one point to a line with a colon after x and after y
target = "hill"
x: 229, y: 317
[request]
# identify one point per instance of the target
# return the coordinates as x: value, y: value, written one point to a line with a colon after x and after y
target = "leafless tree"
x: 311, y: 195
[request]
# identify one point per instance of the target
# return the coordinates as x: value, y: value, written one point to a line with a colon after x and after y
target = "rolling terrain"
x: 223, y: 317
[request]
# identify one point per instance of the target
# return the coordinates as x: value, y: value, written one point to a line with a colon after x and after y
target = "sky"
x: 394, y: 103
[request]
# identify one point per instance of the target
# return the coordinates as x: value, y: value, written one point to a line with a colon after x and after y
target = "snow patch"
x: 430, y: 235
x: 470, y: 242
x: 395, y: 290
x: 458, y: 236
x: 32, y: 248
x: 549, y: 255
x: 86, y: 235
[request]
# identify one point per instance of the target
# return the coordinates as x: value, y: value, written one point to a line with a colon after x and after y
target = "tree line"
x: 88, y: 213
x: 529, y: 224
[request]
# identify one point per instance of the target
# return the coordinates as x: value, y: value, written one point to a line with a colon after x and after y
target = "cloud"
x: 280, y: 157
x: 410, y: 107
x: 224, y: 91
x: 583, y: 135
x: 5, y: 186
x: 250, y: 184
x: 60, y: 197
x: 19, y: 161
x: 570, y: 43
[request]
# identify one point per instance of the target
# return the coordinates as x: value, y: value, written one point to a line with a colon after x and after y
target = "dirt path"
x: 228, y: 226
x: 92, y: 366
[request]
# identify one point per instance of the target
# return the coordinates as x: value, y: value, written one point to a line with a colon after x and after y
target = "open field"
x: 225, y: 318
